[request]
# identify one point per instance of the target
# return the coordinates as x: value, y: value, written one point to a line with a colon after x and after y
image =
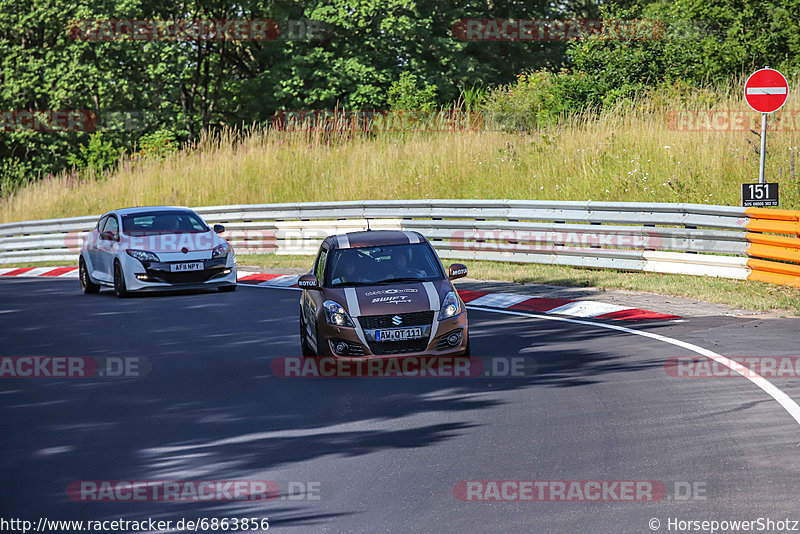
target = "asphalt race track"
x: 384, y: 454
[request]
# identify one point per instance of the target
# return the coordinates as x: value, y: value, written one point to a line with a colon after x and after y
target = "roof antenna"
x: 368, y: 228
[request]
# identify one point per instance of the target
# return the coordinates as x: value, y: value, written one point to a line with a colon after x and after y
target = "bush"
x: 538, y: 99
x: 472, y: 97
x: 696, y: 42
x: 408, y: 94
x: 100, y: 154
x: 663, y: 62
x: 14, y: 173
x: 157, y: 145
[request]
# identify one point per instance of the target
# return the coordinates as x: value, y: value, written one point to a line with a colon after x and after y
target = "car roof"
x: 374, y: 238
x: 145, y: 209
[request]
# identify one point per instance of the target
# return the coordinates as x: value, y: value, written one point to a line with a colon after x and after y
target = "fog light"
x: 141, y: 277
x: 340, y: 348
x: 226, y: 271
x: 454, y: 339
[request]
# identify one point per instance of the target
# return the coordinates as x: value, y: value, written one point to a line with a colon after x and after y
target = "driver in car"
x: 347, y: 274
x: 402, y: 268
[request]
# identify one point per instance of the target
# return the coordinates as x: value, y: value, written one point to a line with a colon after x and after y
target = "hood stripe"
x: 352, y: 302
x: 355, y: 311
x: 360, y: 332
x: 435, y: 303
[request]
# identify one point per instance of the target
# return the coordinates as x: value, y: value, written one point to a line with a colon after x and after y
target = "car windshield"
x: 383, y: 265
x: 162, y: 222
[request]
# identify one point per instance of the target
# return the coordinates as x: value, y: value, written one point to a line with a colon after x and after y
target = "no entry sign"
x: 766, y: 90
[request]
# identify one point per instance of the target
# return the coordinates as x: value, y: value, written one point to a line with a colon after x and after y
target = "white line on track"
x: 768, y: 387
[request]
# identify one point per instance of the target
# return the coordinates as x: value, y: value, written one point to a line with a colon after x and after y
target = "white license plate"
x: 398, y: 334
x: 180, y: 267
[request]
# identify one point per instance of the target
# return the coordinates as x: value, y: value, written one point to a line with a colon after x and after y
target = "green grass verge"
x: 740, y: 294
x: 263, y: 261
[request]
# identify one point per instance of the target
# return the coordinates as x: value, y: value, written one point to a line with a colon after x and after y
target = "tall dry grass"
x: 630, y: 153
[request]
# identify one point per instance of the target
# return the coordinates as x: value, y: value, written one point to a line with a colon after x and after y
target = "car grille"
x: 186, y: 277
x: 354, y: 350
x: 371, y: 322
x: 380, y: 348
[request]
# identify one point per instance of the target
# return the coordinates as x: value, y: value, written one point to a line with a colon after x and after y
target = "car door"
x: 92, y: 251
x: 107, y: 246
x: 313, y: 299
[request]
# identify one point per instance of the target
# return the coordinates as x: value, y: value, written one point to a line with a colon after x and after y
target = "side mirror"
x: 308, y: 281
x: 107, y: 236
x: 218, y: 228
x: 457, y: 270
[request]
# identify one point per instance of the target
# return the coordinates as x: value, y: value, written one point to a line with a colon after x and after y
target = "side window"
x: 319, y: 268
x: 101, y: 223
x: 112, y: 226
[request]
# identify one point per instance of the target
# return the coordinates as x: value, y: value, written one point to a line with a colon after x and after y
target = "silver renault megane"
x: 155, y: 248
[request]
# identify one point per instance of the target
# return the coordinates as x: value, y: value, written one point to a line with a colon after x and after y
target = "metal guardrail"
x: 694, y: 239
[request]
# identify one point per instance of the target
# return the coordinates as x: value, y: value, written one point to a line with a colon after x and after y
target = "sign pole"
x: 765, y: 91
x: 763, y: 148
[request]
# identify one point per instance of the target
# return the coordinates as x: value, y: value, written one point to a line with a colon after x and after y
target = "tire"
x: 119, y: 281
x: 227, y: 289
x: 87, y: 286
x: 305, y: 348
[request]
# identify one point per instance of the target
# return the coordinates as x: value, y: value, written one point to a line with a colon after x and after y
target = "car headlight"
x: 450, y: 307
x: 142, y: 255
x: 220, y: 250
x: 335, y: 314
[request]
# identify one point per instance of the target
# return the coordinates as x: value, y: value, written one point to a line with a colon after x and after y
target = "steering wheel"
x: 410, y: 272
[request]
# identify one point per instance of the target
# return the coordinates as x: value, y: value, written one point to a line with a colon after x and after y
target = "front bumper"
x: 438, y: 346
x: 156, y: 276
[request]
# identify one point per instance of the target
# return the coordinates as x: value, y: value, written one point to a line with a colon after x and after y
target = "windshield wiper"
x: 399, y: 280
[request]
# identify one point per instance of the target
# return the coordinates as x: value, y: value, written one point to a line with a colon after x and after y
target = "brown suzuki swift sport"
x: 381, y: 293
